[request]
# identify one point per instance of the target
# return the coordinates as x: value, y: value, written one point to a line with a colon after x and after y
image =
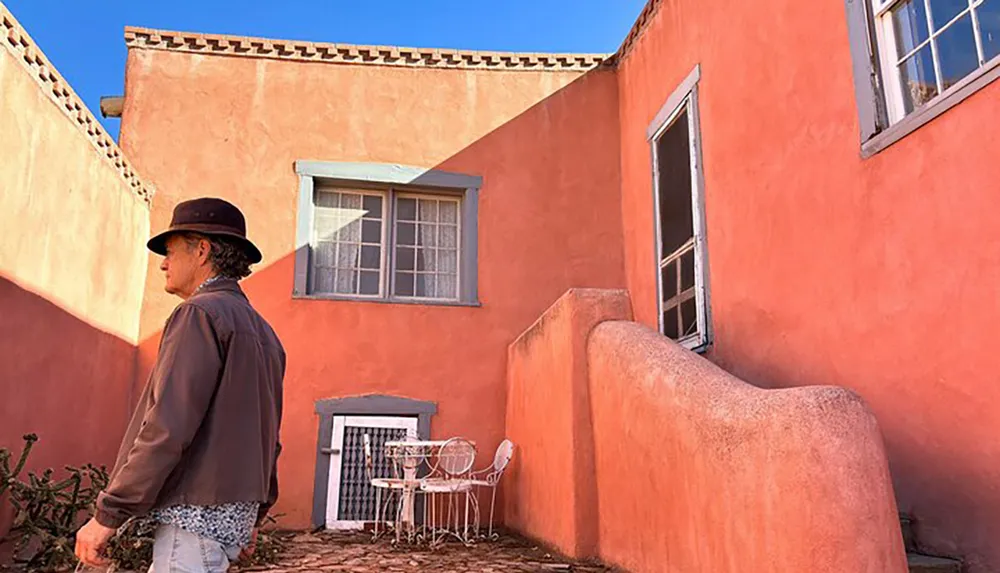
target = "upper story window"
x: 355, y: 252
x: 928, y: 46
x: 375, y: 232
x: 678, y: 199
x: 915, y: 59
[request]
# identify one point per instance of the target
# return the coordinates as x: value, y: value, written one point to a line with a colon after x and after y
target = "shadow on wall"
x: 550, y: 181
x: 60, y: 378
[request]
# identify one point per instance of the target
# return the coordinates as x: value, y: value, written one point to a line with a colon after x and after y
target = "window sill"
x: 951, y: 97
x: 403, y: 301
x: 695, y: 344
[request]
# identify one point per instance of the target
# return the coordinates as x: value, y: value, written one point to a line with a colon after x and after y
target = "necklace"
x: 207, y: 282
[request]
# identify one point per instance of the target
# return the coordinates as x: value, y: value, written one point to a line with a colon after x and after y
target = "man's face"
x: 184, y: 265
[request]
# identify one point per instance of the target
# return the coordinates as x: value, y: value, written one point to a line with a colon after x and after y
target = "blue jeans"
x: 176, y: 550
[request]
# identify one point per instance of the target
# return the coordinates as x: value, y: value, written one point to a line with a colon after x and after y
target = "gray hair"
x: 227, y: 256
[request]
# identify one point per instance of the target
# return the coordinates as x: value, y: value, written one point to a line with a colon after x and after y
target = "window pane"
x: 351, y: 201
x: 425, y: 286
x: 347, y: 242
x: 332, y: 224
x: 373, y: 207
x: 448, y: 261
x: 917, y: 78
x: 909, y: 20
x: 323, y: 280
x: 426, y: 249
x: 371, y: 257
x: 426, y: 260
x: 369, y: 283
x: 324, y: 254
x: 326, y: 199
x: 346, y: 281
x: 406, y: 209
x: 427, y: 235
x: 404, y: 259
x: 957, y: 51
x: 406, y: 234
x: 447, y: 286
x: 449, y: 212
x: 669, y: 277
x: 687, y: 270
x: 689, y: 317
x: 347, y: 255
x: 428, y: 211
x: 670, y: 323
x: 404, y: 284
x: 944, y: 11
x: 449, y: 237
x: 673, y: 158
x: 350, y: 232
x: 371, y: 232
x: 989, y: 25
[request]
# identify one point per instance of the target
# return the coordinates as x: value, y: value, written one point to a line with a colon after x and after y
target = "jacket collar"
x: 223, y: 284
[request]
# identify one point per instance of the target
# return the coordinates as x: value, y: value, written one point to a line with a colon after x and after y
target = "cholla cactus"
x: 47, y: 511
x: 7, y: 475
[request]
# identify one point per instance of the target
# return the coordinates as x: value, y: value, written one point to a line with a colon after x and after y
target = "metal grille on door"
x: 357, y: 496
x: 350, y: 496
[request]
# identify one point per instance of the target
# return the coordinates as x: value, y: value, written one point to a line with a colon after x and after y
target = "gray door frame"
x: 368, y: 405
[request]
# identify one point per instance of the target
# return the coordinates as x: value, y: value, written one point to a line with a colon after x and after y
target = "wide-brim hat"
x: 207, y: 216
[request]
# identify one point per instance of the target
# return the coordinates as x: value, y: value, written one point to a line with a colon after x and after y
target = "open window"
x: 682, y: 271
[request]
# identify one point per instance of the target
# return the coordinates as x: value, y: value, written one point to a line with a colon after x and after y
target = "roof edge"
x: 23, y: 48
x: 245, y: 46
x: 638, y: 29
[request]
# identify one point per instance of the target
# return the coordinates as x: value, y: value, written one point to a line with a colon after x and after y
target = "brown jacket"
x: 205, y: 430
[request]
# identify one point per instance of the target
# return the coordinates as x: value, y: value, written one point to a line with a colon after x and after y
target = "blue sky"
x: 83, y: 38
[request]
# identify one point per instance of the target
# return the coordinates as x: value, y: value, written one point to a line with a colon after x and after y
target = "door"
x: 351, y: 498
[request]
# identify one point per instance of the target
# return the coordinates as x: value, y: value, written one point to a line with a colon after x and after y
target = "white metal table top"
x: 419, y: 443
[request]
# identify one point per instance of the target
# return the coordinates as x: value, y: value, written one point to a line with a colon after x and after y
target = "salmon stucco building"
x: 730, y: 290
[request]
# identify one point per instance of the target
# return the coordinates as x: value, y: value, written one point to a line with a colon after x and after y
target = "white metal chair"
x: 390, y: 486
x: 450, y: 476
x: 490, y: 477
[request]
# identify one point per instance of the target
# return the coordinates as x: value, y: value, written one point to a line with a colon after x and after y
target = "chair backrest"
x: 369, y: 462
x: 505, y: 451
x: 456, y: 456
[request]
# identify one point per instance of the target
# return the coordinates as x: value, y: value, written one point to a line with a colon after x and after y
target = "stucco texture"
x: 699, y: 471
x: 877, y: 275
x: 233, y: 127
x: 650, y: 457
x: 550, y: 492
x: 71, y: 272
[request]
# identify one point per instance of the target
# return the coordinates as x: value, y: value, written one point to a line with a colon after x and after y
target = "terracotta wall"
x: 701, y: 471
x: 545, y: 143
x: 549, y: 489
x: 879, y: 275
x: 71, y: 270
x: 654, y: 459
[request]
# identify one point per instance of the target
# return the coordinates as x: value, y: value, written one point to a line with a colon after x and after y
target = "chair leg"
x: 378, y: 507
x: 477, y: 514
x: 433, y: 523
x: 465, y: 532
x: 399, y: 515
x: 493, y: 502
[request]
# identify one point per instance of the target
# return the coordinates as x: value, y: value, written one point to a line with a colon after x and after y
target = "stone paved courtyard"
x: 355, y: 553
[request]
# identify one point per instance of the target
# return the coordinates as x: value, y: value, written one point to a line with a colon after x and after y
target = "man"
x: 199, y: 454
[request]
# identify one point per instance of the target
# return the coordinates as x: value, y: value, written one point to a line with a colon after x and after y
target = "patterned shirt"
x: 231, y: 524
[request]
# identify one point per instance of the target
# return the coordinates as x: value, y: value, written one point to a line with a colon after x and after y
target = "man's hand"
x: 91, y: 541
x: 249, y: 550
